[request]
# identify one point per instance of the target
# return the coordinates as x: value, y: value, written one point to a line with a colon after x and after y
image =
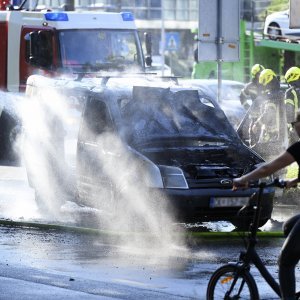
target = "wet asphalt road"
x: 58, y: 264
x: 53, y: 264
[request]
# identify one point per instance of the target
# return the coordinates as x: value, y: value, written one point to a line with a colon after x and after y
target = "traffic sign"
x: 219, y: 30
x: 294, y: 14
x: 172, y: 41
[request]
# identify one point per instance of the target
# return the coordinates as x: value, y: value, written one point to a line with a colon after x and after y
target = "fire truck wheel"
x: 9, y: 139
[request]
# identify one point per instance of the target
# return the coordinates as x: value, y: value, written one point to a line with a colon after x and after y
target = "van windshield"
x: 99, y: 49
x: 154, y: 113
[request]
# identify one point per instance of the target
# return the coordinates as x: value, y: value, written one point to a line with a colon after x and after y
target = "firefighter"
x: 268, y: 120
x: 269, y: 126
x: 251, y: 89
x: 291, y: 99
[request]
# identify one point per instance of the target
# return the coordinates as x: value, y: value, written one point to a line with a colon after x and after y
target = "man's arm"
x: 265, y: 170
x: 244, y: 96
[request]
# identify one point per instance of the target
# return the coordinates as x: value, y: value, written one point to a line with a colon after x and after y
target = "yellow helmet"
x: 256, y: 69
x: 292, y: 74
x: 266, y: 76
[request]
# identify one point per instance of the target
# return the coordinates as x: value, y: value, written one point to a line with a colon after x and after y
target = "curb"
x: 235, y: 234
x: 86, y: 230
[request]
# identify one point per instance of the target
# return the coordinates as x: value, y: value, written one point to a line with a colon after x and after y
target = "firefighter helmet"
x: 266, y: 77
x: 256, y: 70
x: 292, y: 74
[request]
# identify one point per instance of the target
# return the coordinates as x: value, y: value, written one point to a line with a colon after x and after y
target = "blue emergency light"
x: 127, y: 16
x: 56, y: 16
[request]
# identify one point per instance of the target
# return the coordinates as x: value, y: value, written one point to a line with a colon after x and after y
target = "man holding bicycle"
x: 290, y: 252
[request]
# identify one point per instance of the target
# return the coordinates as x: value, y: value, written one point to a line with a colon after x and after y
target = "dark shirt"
x: 294, y: 150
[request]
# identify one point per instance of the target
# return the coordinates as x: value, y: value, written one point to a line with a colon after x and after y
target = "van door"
x: 94, y: 182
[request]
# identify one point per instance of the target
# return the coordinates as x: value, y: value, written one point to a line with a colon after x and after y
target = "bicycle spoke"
x: 226, y: 284
x: 233, y: 289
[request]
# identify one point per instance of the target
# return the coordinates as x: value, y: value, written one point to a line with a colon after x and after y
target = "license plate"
x: 228, y: 201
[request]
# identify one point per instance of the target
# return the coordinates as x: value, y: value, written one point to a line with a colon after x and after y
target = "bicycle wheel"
x: 222, y: 285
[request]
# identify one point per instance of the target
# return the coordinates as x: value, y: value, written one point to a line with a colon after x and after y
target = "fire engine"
x: 53, y: 43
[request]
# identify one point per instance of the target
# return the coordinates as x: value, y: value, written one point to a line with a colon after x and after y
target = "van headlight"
x: 152, y: 176
x: 173, y: 177
x: 159, y: 176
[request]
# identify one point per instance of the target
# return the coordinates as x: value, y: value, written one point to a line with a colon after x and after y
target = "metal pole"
x: 69, y: 5
x: 219, y: 48
x: 163, y: 38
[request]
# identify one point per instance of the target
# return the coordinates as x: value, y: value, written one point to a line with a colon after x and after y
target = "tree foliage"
x: 278, y: 5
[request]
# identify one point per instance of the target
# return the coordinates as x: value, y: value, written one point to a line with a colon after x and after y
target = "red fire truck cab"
x: 55, y: 43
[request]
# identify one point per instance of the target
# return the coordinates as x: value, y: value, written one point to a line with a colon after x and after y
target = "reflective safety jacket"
x: 291, y: 100
x: 271, y: 120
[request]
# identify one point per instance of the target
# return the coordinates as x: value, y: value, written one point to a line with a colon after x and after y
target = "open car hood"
x: 184, y: 128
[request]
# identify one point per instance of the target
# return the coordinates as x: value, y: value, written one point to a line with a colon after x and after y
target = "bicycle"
x: 234, y: 280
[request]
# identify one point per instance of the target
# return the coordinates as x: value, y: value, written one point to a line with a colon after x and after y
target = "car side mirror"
x: 39, y: 51
x: 148, y: 43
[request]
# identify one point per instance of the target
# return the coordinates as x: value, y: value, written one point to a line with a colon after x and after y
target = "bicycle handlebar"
x: 280, y: 183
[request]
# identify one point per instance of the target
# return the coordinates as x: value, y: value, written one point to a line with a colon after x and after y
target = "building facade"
x: 172, y: 23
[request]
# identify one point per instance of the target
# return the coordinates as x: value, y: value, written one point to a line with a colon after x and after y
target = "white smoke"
x: 140, y: 216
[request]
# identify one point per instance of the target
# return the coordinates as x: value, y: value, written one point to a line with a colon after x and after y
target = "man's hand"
x: 239, y: 183
x: 292, y: 183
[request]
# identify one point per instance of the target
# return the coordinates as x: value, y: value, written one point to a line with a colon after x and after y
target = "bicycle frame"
x: 250, y: 255
x: 227, y: 277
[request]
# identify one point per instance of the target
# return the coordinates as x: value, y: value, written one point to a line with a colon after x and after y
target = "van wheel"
x: 48, y: 205
x: 40, y: 203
